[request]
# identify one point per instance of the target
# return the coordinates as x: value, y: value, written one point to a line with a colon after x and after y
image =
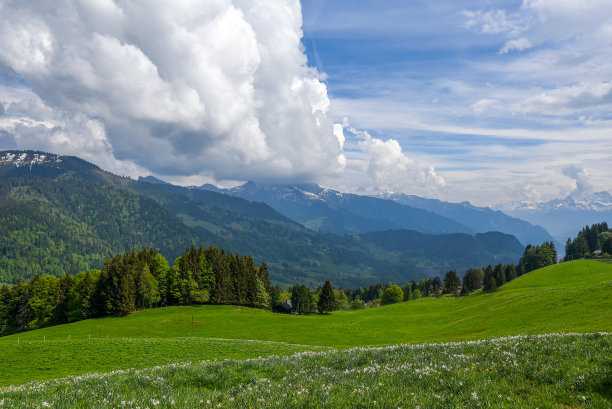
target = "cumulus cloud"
x: 219, y: 88
x: 390, y: 169
x: 28, y: 123
x: 581, y: 178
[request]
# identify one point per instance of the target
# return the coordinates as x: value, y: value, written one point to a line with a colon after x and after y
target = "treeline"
x: 589, y: 241
x: 134, y: 281
x: 138, y: 280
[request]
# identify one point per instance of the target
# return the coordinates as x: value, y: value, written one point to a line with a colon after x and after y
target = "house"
x: 285, y: 307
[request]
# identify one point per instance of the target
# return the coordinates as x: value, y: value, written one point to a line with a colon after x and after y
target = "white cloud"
x: 494, y: 22
x: 519, y: 44
x: 568, y: 100
x: 484, y: 105
x: 28, y: 123
x: 581, y: 178
x: 217, y: 88
x: 390, y: 169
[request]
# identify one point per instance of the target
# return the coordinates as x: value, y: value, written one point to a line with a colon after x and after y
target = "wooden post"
x: 68, y: 338
x: 44, y: 338
x: 17, y: 341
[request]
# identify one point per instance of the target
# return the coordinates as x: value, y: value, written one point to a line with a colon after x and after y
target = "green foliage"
x: 356, y: 304
x: 451, y: 282
x: 589, y: 239
x: 301, y: 299
x: 392, y: 295
x: 72, y: 225
x: 327, y: 299
x: 416, y: 294
x: 472, y: 280
x: 134, y: 281
x: 537, y: 257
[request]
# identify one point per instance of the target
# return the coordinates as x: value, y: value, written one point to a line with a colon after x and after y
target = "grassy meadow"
x: 568, y: 297
x: 537, y: 371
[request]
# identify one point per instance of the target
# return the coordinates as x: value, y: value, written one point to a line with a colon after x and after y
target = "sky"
x: 483, y: 101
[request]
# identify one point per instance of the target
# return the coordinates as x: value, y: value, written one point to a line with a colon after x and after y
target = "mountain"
x: 565, y: 217
x: 62, y: 214
x: 479, y: 219
x: 330, y: 211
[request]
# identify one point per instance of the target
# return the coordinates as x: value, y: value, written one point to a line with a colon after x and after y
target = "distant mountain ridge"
x: 480, y: 219
x: 330, y: 211
x: 565, y: 217
x: 63, y: 214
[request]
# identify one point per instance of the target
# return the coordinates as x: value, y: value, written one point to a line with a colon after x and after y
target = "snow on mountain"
x: 565, y: 217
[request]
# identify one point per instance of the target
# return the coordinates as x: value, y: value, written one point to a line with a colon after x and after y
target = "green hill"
x: 568, y: 297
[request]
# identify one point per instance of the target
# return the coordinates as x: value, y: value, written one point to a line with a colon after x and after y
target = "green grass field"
x: 569, y: 297
x: 537, y: 371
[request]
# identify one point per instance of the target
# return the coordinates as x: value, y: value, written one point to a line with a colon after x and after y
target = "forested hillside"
x: 71, y: 225
x: 64, y: 215
x: 596, y: 239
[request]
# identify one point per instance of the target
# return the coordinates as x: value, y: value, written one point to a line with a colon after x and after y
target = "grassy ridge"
x: 549, y: 371
x: 566, y: 297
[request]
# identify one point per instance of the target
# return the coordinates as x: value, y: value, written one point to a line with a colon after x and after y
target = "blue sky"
x: 485, y: 101
x: 436, y: 77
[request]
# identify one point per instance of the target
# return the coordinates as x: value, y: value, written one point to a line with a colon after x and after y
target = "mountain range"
x: 330, y: 211
x: 62, y: 214
x: 563, y: 218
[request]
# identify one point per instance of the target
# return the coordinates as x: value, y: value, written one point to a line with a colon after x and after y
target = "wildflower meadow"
x: 545, y: 371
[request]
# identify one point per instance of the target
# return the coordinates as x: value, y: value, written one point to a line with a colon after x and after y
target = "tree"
x: 42, y: 300
x: 356, y: 304
x: 472, y: 280
x: 492, y: 285
x: 416, y: 294
x: 511, y: 272
x: 486, y: 282
x: 451, y: 282
x: 500, y: 275
x: 301, y: 299
x: 392, y: 295
x: 464, y: 291
x: 327, y: 299
x: 275, y: 295
x: 342, y: 302
x: 262, y: 298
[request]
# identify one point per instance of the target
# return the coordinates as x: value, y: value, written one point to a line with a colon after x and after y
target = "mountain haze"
x: 565, y: 217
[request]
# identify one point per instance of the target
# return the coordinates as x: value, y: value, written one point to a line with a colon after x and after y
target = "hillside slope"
x: 561, y: 298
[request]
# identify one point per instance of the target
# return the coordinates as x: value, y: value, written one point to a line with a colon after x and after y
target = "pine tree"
x: 451, y: 282
x: 262, y: 298
x: 327, y: 299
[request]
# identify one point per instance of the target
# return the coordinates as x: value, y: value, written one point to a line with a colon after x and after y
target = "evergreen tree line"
x: 489, y: 279
x: 588, y: 241
x: 138, y: 280
x: 134, y: 281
